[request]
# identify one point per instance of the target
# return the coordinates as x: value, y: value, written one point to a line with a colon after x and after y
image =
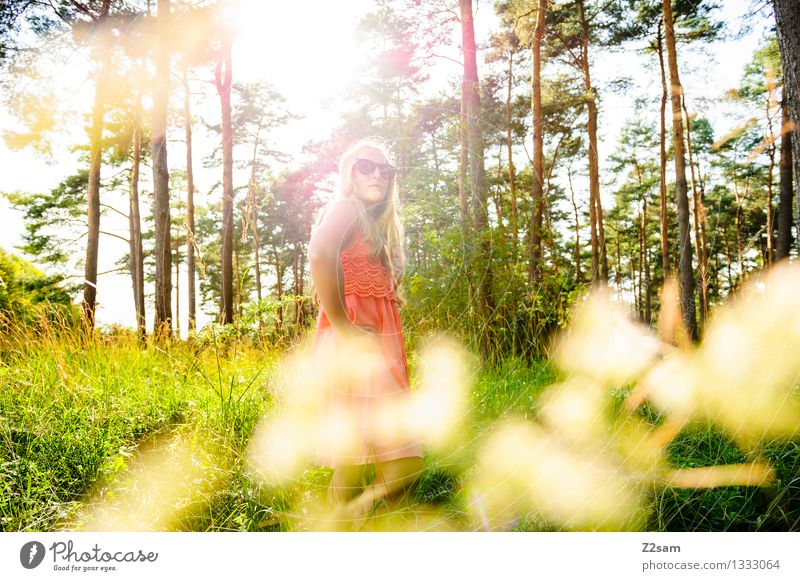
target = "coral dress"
x: 363, y: 409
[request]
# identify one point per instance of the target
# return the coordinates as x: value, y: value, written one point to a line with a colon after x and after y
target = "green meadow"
x: 75, y: 412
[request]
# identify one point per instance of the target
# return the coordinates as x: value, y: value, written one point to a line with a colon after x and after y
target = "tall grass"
x: 77, y: 413
x: 73, y: 410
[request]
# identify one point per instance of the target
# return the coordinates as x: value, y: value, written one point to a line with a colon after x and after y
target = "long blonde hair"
x: 382, y: 229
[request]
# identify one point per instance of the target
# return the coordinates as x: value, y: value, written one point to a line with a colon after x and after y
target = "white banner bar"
x: 400, y: 556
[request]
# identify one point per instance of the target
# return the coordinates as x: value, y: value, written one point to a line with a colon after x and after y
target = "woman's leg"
x: 396, y: 477
x: 345, y: 484
x: 392, y: 480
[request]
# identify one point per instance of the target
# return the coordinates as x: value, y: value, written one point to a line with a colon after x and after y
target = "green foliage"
x: 259, y: 322
x: 51, y: 219
x: 23, y: 288
x: 765, y: 68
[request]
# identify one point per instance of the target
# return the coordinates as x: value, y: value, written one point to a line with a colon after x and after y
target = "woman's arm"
x: 329, y: 238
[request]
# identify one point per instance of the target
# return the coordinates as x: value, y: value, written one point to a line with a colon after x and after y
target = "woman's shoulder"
x: 346, y: 208
x: 339, y: 222
x: 341, y: 212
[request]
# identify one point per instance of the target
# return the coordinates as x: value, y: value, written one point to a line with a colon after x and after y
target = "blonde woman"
x: 357, y: 262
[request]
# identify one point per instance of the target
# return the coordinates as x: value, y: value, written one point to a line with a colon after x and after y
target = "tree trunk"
x: 740, y: 200
x: 496, y: 194
x: 95, y: 161
x: 730, y: 261
x: 237, y: 296
x: 190, y: 239
x: 699, y: 213
x: 163, y: 245
x: 135, y: 224
x: 787, y: 19
x: 477, y: 173
x: 663, y: 151
x: 600, y: 262
x: 618, y: 274
x: 648, y: 316
x: 177, y: 287
x: 252, y: 208
x: 301, y: 313
x: 681, y: 188
x: 512, y: 186
x: 786, y: 193
x: 537, y: 186
x: 463, y: 161
x: 770, y: 139
x: 577, y: 230
x: 279, y: 268
x: 703, y: 234
x: 640, y: 269
x: 295, y: 272
x: 223, y: 83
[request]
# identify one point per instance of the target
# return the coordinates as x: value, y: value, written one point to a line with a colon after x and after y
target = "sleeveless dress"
x: 364, y: 407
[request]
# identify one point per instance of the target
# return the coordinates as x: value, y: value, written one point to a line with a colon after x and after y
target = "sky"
x: 310, y: 52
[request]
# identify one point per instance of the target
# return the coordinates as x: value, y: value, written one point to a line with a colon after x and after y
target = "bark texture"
x: 161, y: 213
x: 685, y: 270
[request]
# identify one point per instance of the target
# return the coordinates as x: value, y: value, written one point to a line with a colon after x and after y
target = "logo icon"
x: 31, y: 555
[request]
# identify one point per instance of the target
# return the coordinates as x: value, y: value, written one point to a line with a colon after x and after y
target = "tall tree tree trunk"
x: 512, y: 186
x: 701, y: 189
x: 163, y: 245
x: 787, y: 19
x: 190, y: 239
x: 279, y: 268
x: 770, y: 137
x: 295, y: 274
x: 681, y: 189
x: 663, y: 151
x: 223, y: 83
x: 730, y: 261
x: 497, y: 196
x: 770, y: 225
x: 618, y: 274
x: 640, y: 271
x: 644, y: 262
x: 600, y: 264
x: 477, y: 174
x: 237, y: 296
x: 299, y: 284
x: 135, y: 224
x: 463, y: 162
x: 95, y: 161
x: 177, y: 287
x: 537, y: 186
x: 252, y: 208
x: 578, y: 275
x: 648, y: 311
x: 786, y: 193
x: 699, y: 214
x: 463, y: 201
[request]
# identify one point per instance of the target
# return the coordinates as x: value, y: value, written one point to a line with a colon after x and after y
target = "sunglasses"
x: 367, y: 167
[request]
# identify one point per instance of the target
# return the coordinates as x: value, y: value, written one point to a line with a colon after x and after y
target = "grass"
x: 71, y: 417
x: 73, y: 414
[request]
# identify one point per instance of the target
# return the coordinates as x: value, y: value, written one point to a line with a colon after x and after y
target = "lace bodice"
x: 362, y: 277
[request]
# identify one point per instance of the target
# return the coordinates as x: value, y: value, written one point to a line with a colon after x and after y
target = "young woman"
x: 357, y: 262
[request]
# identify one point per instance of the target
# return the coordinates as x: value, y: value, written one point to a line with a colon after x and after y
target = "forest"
x: 602, y: 237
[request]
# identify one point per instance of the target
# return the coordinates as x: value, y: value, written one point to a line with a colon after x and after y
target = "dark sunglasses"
x: 367, y: 167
